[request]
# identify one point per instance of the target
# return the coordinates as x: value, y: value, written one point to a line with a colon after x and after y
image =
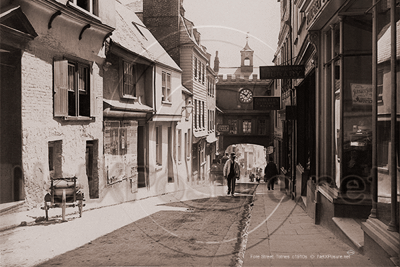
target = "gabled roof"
x: 187, y: 35
x: 13, y: 19
x: 132, y: 34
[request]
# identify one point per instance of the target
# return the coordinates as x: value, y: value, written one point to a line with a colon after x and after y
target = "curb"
x: 245, y: 231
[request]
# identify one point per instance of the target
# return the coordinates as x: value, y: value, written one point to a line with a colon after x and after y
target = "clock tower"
x: 246, y: 58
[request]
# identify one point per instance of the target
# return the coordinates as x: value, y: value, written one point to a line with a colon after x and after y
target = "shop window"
x: 72, y: 90
x: 91, y: 6
x: 129, y: 80
x: 166, y: 87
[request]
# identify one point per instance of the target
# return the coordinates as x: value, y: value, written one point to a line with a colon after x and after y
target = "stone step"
x: 352, y: 229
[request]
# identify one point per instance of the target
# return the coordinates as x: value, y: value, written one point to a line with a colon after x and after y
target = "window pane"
x: 246, y: 126
x: 71, y: 77
x: 168, y: 87
x: 83, y: 78
x: 129, y: 79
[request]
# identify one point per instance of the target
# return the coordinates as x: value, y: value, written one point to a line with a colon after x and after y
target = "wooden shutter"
x: 93, y: 93
x: 60, y: 98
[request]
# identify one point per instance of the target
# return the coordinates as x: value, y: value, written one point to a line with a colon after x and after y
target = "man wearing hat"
x: 231, y: 172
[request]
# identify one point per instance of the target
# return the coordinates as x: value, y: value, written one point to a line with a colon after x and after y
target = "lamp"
x: 188, y: 108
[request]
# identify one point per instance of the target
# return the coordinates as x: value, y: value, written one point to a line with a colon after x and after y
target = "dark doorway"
x: 10, y: 124
x: 141, y: 157
x: 91, y: 168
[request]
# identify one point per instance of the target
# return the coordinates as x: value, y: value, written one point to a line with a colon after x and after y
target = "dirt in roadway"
x: 207, y: 234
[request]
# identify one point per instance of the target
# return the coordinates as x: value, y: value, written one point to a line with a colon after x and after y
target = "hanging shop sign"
x: 282, y: 72
x: 223, y: 128
x: 266, y: 103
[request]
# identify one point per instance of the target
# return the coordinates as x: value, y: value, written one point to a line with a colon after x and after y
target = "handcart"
x: 63, y: 193
x: 216, y: 173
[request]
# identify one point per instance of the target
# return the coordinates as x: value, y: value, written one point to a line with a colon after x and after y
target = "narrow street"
x: 206, y: 233
x: 258, y: 227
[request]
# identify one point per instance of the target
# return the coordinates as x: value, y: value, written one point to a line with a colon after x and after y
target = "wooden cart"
x: 63, y: 193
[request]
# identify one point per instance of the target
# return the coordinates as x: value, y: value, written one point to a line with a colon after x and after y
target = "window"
x: 203, y: 114
x: 179, y: 145
x: 246, y: 126
x: 90, y: 6
x: 199, y: 71
x: 72, y: 90
x: 203, y: 76
x: 195, y: 114
x: 129, y: 80
x: 262, y: 127
x: 195, y: 68
x: 159, y: 145
x: 166, y: 87
x: 232, y: 126
x: 247, y: 62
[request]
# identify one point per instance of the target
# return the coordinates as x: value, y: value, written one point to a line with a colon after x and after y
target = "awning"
x: 117, y: 109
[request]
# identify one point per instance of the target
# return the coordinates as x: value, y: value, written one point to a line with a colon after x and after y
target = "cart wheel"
x: 80, y: 207
x: 46, y: 210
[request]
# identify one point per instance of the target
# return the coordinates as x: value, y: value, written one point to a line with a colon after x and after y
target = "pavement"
x: 279, y: 232
x: 282, y: 234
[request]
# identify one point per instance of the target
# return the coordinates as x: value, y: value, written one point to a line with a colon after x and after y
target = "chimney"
x: 216, y: 62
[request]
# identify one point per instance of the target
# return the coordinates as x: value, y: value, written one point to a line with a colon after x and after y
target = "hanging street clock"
x: 245, y: 96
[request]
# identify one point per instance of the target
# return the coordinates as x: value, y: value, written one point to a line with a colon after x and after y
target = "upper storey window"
x: 91, y: 6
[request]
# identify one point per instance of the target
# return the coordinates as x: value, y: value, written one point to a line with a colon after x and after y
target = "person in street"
x: 270, y: 173
x: 231, y: 172
x: 224, y: 158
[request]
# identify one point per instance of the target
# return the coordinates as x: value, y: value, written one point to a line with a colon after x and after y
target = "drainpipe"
x: 374, y: 171
x: 393, y: 165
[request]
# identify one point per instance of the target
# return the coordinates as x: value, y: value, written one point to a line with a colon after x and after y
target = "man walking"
x: 271, y: 173
x: 231, y: 172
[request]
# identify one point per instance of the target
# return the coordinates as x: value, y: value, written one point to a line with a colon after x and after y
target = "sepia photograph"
x: 199, y: 133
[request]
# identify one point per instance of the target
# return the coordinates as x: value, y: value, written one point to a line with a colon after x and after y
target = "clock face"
x: 245, y: 96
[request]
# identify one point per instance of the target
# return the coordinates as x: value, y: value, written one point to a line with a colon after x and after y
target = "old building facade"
x: 54, y: 49
x: 179, y: 37
x: 239, y: 122
x: 343, y: 162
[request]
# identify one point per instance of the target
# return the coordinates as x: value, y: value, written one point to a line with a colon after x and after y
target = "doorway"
x: 91, y: 168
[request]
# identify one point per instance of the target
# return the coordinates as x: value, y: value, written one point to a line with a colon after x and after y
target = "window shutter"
x: 60, y: 97
x: 93, y: 94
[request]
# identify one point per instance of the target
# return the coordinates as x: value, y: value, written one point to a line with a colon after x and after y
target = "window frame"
x: 246, y: 126
x: 195, y: 68
x: 92, y: 8
x: 124, y: 77
x: 166, y: 87
x: 64, y: 88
